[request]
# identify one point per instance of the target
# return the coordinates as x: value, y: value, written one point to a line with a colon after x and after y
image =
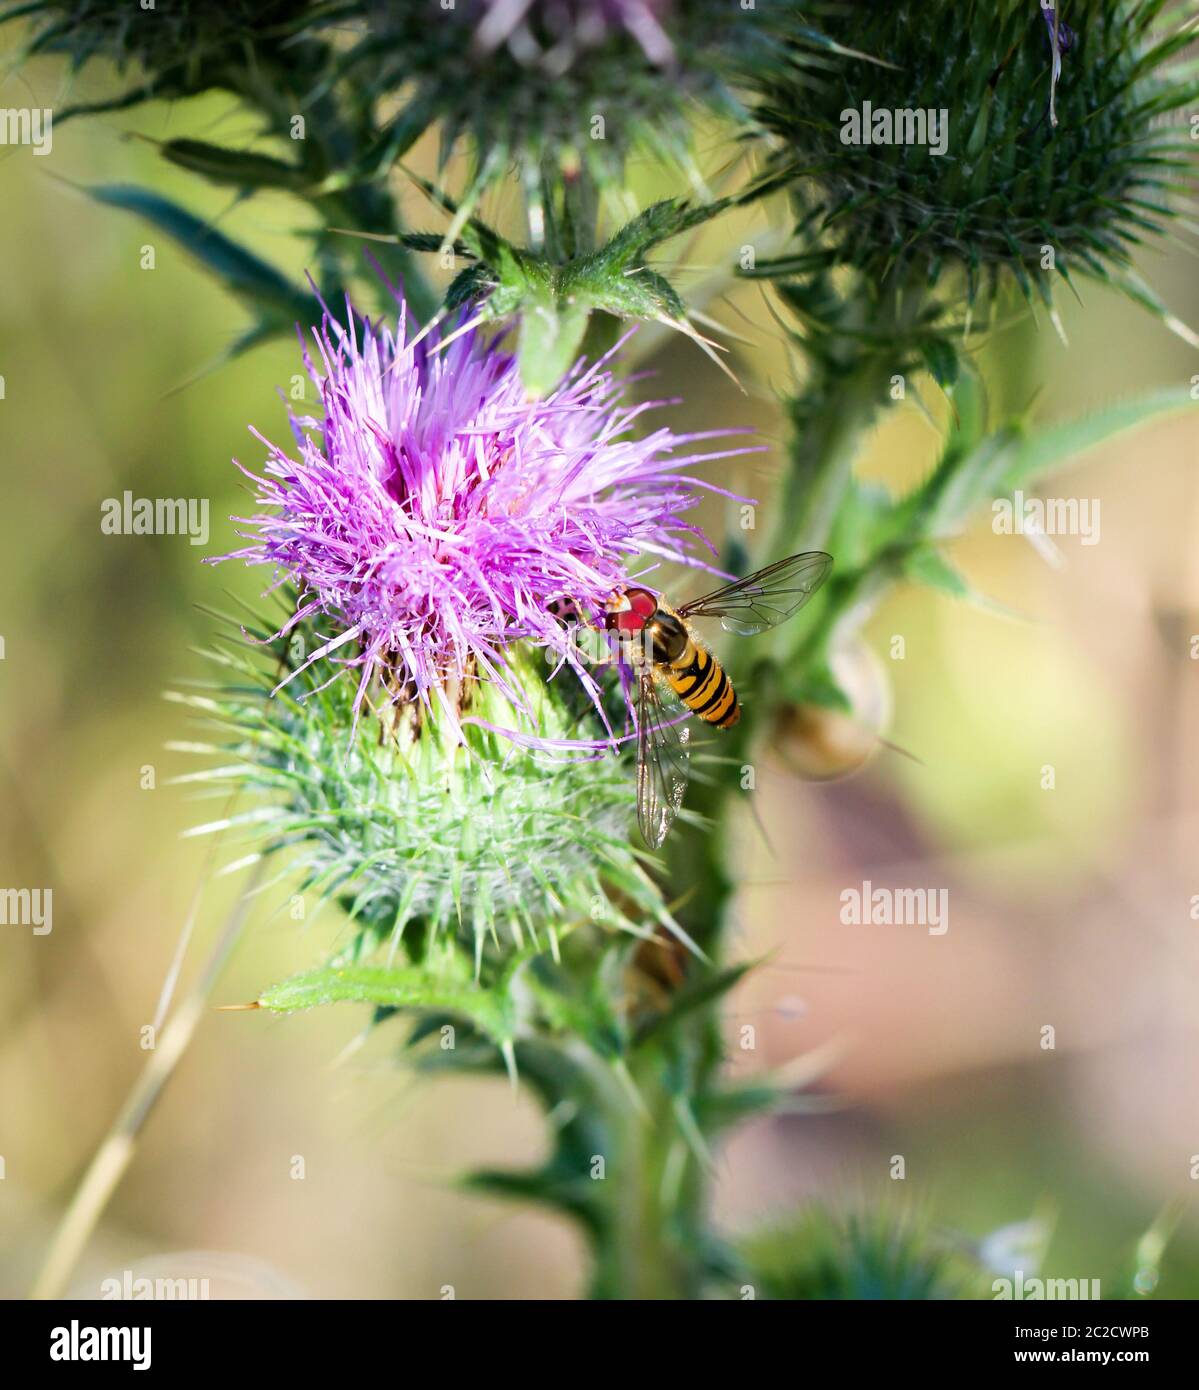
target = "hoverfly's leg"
x: 590, y: 643
x: 613, y: 650
x: 594, y: 647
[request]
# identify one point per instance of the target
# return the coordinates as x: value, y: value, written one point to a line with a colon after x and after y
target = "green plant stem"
x: 644, y: 1251
x: 663, y: 1245
x: 853, y: 354
x: 823, y: 456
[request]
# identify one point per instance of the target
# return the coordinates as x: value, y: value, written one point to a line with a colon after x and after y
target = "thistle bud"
x: 823, y: 742
x: 559, y: 87
x: 1028, y: 148
x: 428, y: 822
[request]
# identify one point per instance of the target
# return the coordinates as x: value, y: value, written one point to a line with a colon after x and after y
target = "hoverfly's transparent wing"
x: 765, y: 598
x: 663, y: 764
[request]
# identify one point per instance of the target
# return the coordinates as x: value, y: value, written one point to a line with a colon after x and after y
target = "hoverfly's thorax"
x: 669, y: 638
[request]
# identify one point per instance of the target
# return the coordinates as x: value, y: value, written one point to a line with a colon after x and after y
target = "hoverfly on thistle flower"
x: 659, y: 645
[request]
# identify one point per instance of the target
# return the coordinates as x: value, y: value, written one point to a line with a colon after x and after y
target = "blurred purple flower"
x: 572, y: 27
x: 1059, y: 30
x: 1061, y: 40
x: 435, y: 511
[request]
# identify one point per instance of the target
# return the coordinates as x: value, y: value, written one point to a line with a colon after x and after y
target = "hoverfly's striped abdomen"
x: 699, y: 680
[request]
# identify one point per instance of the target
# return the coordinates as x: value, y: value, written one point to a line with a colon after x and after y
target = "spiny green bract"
x: 553, y: 300
x: 414, y: 834
x: 1011, y: 195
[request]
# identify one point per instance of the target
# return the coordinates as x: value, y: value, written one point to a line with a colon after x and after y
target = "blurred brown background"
x: 1069, y: 907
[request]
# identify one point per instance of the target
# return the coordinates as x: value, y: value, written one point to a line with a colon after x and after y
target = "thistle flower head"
x: 555, y: 86
x: 1054, y: 149
x: 435, y: 513
x: 419, y: 532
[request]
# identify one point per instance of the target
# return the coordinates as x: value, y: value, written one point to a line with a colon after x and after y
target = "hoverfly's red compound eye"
x: 630, y: 609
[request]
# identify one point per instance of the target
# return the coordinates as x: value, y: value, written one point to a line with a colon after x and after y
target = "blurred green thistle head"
x: 180, y: 48
x: 1001, y: 141
x: 875, y: 1252
x: 559, y: 88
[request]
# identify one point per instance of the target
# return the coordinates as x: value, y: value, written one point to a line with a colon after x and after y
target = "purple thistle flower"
x: 435, y: 512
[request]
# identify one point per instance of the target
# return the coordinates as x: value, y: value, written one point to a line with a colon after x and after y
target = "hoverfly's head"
x: 629, y: 610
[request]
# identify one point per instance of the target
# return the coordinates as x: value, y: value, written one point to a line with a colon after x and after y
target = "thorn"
x: 692, y: 1134
x: 458, y: 332
x: 390, y: 238
x: 681, y: 901
x: 620, y: 1067
x: 234, y: 1008
x: 705, y: 345
x: 709, y: 322
x: 761, y: 824
x: 509, y: 1052
x: 676, y: 931
x: 401, y: 358
x: 903, y: 752
x: 1181, y: 330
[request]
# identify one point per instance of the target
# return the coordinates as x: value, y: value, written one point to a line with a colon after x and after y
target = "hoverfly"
x: 662, y: 650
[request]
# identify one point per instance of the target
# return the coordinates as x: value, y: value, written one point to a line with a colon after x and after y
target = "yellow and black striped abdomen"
x: 699, y: 680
